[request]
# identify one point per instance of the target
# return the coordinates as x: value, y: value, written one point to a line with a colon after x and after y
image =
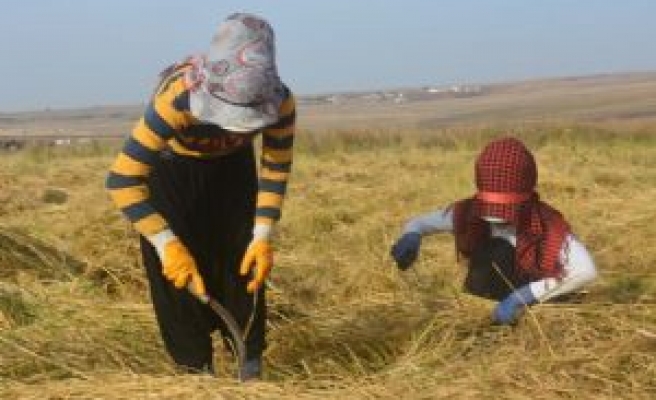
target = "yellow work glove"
x: 178, y: 266
x: 259, y: 255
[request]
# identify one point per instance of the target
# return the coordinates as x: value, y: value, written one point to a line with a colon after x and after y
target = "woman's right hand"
x: 406, y: 250
x: 179, y: 267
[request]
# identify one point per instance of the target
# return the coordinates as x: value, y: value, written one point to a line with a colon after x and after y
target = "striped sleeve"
x: 275, y: 164
x: 126, y: 181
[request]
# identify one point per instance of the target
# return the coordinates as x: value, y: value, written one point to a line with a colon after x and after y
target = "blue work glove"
x: 508, y: 311
x: 406, y: 250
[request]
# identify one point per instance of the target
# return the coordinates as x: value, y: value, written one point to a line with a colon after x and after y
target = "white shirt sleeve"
x: 578, y: 270
x: 426, y: 224
x: 160, y: 240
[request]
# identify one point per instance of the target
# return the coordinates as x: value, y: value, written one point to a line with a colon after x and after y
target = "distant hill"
x: 582, y: 98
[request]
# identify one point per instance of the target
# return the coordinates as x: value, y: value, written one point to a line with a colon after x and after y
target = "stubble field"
x: 76, y: 321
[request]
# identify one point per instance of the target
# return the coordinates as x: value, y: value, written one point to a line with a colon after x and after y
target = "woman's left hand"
x: 259, y: 255
x: 508, y: 311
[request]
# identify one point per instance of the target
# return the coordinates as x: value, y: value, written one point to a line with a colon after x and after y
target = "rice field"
x: 76, y: 320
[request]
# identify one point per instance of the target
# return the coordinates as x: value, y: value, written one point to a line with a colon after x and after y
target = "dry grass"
x: 75, y: 319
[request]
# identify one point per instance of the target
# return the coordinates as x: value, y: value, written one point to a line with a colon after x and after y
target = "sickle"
x: 238, y: 344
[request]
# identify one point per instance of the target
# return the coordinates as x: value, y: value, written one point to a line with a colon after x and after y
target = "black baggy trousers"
x: 492, y: 273
x: 210, y: 205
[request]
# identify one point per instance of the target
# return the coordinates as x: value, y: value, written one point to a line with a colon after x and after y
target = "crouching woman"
x: 520, y: 250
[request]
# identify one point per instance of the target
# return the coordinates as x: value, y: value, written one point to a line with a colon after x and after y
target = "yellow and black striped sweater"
x: 168, y: 123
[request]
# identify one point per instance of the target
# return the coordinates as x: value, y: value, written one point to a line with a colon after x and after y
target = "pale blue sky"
x: 76, y: 53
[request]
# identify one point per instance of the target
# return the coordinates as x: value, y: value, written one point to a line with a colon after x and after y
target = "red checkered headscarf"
x: 506, y: 175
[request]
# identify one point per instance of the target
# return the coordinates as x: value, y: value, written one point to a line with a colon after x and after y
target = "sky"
x: 77, y: 53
